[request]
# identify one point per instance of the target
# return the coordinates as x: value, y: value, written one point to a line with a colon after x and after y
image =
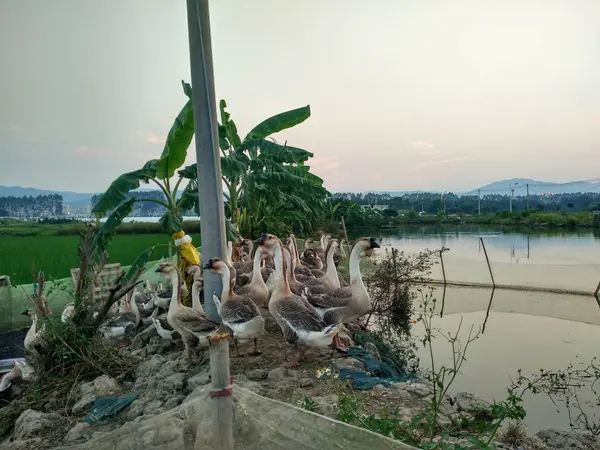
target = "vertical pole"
x: 488, y: 262
x: 512, y: 190
x: 346, y: 235
x: 221, y: 390
x: 210, y: 190
x: 478, y: 202
x: 527, y: 196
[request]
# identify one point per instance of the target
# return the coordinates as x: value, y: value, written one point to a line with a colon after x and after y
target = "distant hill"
x: 537, y: 187
x: 74, y: 199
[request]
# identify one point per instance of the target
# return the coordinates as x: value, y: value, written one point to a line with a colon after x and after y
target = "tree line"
x: 433, y: 203
x: 32, y: 207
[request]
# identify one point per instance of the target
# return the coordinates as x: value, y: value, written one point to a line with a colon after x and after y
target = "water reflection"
x: 520, y: 330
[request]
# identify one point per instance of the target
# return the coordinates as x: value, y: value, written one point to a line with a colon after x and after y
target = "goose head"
x: 195, y: 272
x: 366, y: 245
x: 268, y: 242
x: 216, y: 266
x: 166, y: 269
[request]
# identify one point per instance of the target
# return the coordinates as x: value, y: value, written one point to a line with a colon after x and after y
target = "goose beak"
x: 260, y: 240
x: 158, y: 270
x: 374, y: 243
x: 208, y: 265
x: 25, y: 313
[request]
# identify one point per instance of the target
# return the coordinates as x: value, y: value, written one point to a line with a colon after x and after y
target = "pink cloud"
x: 149, y: 137
x: 422, y: 144
x: 328, y: 168
x: 84, y: 150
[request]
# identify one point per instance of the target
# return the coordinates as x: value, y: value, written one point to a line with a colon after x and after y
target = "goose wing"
x: 193, y: 321
x: 297, y: 314
x: 239, y: 310
x: 313, y: 282
x: 337, y: 298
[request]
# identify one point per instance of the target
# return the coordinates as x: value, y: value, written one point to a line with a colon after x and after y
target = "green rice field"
x: 23, y: 256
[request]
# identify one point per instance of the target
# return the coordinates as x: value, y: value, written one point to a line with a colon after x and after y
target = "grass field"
x: 21, y: 257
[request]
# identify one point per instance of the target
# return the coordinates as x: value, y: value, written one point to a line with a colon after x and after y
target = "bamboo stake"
x: 346, y: 235
x: 488, y: 262
x: 443, y: 268
x: 221, y: 392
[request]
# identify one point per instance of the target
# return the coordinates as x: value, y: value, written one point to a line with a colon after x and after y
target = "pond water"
x: 554, y: 260
x: 525, y: 330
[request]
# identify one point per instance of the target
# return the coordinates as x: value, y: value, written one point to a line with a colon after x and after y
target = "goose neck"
x: 354, y: 265
x: 282, y: 285
x: 175, y: 294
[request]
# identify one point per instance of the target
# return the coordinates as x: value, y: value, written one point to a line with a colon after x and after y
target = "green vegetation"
x: 57, y: 255
x: 268, y: 186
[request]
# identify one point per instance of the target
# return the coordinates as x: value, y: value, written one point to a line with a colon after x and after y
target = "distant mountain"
x: 75, y: 199
x: 537, y: 187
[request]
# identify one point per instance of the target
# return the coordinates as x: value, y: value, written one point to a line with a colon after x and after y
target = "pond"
x: 554, y: 260
x: 525, y: 329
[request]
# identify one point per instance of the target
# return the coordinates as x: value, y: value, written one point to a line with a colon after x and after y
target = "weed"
x: 309, y: 404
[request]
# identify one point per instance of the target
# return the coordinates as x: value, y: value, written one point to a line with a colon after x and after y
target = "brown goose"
x: 189, y: 323
x: 330, y: 281
x: 238, y: 312
x: 298, y: 320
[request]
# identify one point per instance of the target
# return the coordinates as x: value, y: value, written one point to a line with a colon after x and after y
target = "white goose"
x: 189, y: 323
x: 298, y: 320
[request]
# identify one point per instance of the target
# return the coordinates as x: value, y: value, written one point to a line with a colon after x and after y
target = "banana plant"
x: 160, y: 172
x: 267, y: 183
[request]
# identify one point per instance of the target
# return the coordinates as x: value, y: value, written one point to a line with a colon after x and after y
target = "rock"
x: 306, y: 382
x: 173, y: 402
x: 278, y: 374
x: 150, y: 367
x: 568, y: 440
x: 198, y: 380
x: 175, y: 382
x: 23, y: 444
x: 379, y: 388
x: 349, y: 363
x: 101, y: 386
x: 372, y: 350
x: 470, y: 403
x: 78, y: 433
x: 32, y: 423
x: 417, y: 390
x: 257, y: 374
x: 327, y: 403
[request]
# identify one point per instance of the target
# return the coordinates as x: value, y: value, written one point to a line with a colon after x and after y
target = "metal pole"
x: 210, y: 190
x: 478, y: 202
x: 527, y: 196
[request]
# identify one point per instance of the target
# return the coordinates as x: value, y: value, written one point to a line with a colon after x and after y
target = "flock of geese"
x: 301, y: 291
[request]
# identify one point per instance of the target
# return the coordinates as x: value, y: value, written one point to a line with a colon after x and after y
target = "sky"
x: 405, y: 94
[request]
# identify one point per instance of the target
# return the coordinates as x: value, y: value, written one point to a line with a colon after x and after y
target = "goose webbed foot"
x: 294, y: 360
x: 256, y: 351
x: 337, y: 344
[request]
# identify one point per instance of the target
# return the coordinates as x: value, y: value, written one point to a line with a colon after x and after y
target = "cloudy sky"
x: 405, y: 94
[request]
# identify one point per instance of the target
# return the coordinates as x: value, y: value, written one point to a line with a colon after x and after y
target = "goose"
x: 126, y: 321
x: 32, y: 342
x: 21, y: 370
x: 330, y: 281
x: 346, y: 304
x: 188, y: 322
x: 67, y: 312
x: 161, y: 298
x: 311, y: 260
x: 195, y: 272
x: 238, y: 312
x: 257, y: 288
x: 297, y: 287
x: 299, y: 269
x: 298, y: 320
x: 320, y: 252
x: 162, y: 331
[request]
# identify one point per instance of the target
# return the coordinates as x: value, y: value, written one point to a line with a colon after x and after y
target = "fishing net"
x: 259, y: 423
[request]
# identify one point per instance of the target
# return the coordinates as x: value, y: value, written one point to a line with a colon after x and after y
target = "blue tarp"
x: 106, y: 408
x: 378, y: 372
